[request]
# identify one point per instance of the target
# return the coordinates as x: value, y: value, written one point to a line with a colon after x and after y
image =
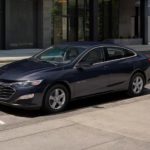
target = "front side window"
x: 60, y: 54
x: 94, y: 56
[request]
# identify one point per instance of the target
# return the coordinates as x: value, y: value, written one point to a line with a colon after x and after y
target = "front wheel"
x: 56, y: 99
x: 136, y: 85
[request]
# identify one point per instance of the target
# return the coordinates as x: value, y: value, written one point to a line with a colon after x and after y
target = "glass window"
x: 83, y: 20
x: 94, y: 56
x: 60, y: 54
x: 115, y: 19
x: 59, y: 21
x: 108, y: 19
x: 2, y: 23
x: 128, y: 53
x: 70, y: 20
x: 119, y: 19
x: 114, y: 53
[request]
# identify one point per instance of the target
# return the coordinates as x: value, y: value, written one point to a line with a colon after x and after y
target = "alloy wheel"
x: 57, y: 99
x: 138, y: 84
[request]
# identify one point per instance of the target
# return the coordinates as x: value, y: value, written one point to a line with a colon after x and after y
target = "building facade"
x: 40, y: 23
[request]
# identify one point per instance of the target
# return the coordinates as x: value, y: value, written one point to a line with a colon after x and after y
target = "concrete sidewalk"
x: 121, y: 127
x: 7, y: 56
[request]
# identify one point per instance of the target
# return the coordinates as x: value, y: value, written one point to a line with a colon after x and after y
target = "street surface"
x: 108, y: 122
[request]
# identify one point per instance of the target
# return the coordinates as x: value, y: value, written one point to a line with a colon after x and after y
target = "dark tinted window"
x: 94, y: 56
x: 128, y: 53
x: 72, y: 53
x: 114, y: 53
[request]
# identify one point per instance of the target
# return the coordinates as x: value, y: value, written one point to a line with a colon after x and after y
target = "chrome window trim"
x: 135, y: 54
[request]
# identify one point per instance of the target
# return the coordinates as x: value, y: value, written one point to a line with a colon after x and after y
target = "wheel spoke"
x: 135, y: 89
x: 56, y: 93
x: 137, y: 80
x: 134, y: 83
x: 52, y: 98
x: 60, y: 103
x: 141, y: 82
x: 54, y: 105
x: 61, y: 96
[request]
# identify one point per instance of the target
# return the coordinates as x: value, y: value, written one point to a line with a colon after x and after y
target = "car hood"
x: 19, y: 69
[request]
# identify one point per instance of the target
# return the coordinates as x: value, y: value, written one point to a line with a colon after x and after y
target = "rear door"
x: 120, y: 62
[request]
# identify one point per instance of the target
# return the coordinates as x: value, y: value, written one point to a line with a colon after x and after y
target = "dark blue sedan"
x: 65, y: 72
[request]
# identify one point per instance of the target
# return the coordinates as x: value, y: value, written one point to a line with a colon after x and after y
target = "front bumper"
x: 22, y: 106
x: 32, y: 103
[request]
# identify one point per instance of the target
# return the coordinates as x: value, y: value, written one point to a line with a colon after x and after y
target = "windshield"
x: 60, y: 54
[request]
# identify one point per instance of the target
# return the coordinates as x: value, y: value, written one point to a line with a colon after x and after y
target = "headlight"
x: 28, y: 83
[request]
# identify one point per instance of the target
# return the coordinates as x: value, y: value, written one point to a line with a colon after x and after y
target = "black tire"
x: 48, y: 107
x: 132, y: 88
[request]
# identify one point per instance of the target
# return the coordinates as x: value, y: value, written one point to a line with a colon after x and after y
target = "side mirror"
x: 83, y: 66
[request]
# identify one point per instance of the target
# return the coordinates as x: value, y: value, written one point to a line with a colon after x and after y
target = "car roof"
x: 89, y: 44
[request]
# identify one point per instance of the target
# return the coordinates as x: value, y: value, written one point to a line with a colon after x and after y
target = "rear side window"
x: 129, y: 53
x: 113, y: 53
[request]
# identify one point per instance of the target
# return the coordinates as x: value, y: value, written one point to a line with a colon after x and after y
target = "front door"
x: 95, y: 77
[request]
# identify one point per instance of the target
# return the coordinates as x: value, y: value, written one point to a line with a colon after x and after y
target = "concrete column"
x: 47, y: 7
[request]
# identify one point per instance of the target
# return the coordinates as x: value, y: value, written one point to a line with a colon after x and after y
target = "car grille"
x: 6, y: 92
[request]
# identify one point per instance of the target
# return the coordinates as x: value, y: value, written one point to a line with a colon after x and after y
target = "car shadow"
x: 93, y: 102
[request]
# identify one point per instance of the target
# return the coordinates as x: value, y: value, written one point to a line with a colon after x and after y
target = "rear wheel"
x: 136, y: 84
x: 56, y: 99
